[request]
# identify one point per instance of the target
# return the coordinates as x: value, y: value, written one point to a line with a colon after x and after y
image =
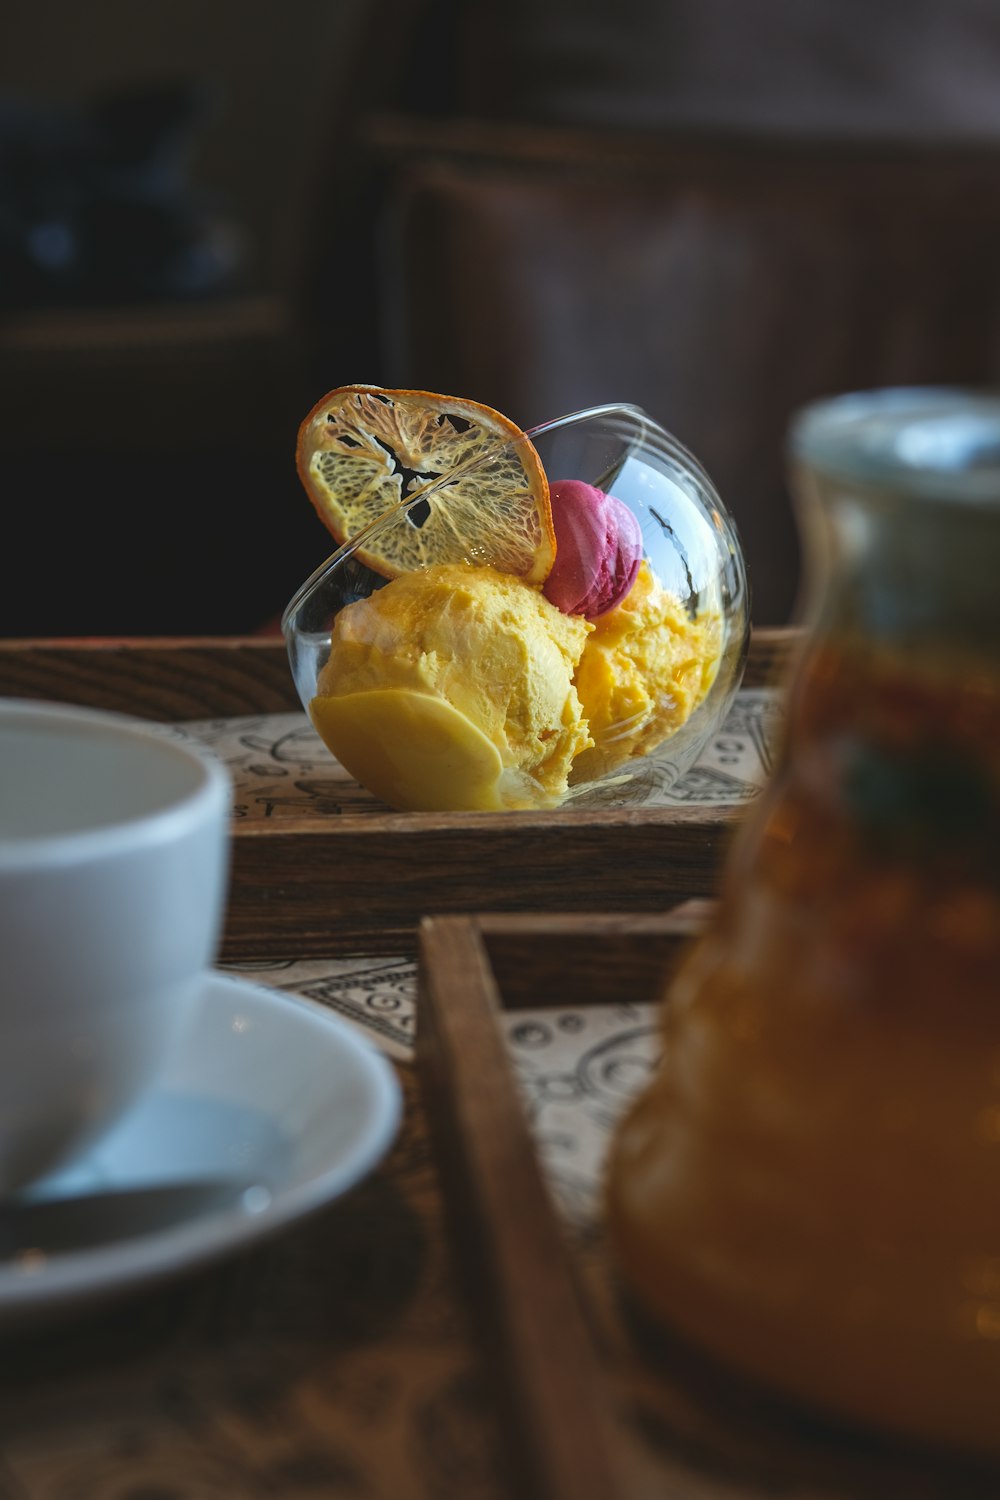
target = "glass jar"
x: 809, y: 1188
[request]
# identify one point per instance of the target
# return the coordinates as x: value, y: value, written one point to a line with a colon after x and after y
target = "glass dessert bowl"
x: 454, y: 659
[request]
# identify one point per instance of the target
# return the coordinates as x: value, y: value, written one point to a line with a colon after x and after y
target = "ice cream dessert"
x: 457, y: 687
x: 645, y: 668
x: 598, y: 549
x: 505, y: 641
x: 452, y: 687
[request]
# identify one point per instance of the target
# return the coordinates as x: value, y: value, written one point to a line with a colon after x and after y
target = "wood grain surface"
x: 361, y: 881
x: 598, y: 1401
x: 155, y: 678
x: 519, y: 1270
x: 200, y: 678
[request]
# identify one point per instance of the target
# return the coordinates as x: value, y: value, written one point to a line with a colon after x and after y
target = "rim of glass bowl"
x: 647, y: 431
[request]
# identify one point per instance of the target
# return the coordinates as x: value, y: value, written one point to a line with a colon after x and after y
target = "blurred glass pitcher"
x: 810, y: 1186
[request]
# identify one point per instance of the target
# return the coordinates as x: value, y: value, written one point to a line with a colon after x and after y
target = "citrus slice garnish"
x: 364, y: 451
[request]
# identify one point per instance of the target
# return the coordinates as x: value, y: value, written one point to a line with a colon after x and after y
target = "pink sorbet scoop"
x: 598, y: 549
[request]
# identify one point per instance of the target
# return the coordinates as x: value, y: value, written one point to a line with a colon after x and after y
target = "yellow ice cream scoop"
x: 451, y: 688
x: 644, y: 670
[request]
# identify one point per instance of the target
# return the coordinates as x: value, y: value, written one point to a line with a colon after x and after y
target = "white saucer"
x: 267, y: 1088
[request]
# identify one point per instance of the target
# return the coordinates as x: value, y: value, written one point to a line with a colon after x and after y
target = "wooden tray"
x: 598, y: 1405
x: 334, y: 883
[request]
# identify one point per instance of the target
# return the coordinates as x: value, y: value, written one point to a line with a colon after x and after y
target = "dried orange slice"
x: 364, y: 450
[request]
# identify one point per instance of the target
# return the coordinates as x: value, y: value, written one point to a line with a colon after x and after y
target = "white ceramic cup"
x: 114, y: 863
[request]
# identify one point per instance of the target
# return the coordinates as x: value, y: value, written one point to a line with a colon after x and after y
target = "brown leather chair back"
x: 719, y: 283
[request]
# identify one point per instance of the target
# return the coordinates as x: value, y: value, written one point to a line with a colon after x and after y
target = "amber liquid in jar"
x: 809, y: 1188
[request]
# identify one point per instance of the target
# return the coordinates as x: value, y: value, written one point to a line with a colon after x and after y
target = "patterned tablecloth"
x: 282, y: 769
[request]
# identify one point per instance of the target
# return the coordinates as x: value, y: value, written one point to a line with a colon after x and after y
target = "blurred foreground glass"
x: 657, y: 678
x: 810, y: 1185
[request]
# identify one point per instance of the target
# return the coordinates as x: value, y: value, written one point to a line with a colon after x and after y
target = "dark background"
x: 211, y: 213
